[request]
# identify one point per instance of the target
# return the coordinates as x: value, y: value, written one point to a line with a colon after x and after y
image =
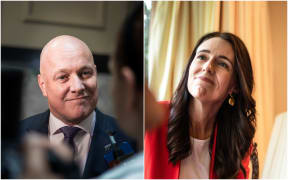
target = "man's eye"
x: 86, y: 73
x: 63, y: 77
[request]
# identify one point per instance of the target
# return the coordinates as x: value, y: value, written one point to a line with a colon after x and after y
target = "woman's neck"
x: 202, y: 117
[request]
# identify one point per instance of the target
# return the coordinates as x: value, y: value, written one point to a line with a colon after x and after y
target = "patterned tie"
x: 69, y: 134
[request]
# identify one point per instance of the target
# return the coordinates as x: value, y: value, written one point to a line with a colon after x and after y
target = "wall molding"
x: 53, y: 12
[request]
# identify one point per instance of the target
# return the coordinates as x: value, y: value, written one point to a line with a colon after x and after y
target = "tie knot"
x: 69, y: 131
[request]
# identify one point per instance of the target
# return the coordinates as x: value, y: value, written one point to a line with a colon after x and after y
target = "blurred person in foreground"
x: 210, y: 124
x: 127, y: 70
x: 31, y: 156
x: 68, y: 78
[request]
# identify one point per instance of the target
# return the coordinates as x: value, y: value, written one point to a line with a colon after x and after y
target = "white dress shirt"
x: 82, y: 139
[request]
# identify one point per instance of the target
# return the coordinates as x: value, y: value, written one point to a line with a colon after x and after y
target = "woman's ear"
x: 234, y: 88
x: 41, y: 84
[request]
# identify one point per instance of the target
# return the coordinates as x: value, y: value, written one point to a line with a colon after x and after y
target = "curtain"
x: 276, y: 159
x: 176, y: 26
x: 262, y: 27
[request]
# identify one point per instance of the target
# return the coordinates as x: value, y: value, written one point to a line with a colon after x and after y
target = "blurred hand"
x: 35, y: 158
x: 154, y: 112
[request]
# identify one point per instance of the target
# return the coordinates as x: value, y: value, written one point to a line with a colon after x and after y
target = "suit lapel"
x: 95, y: 163
x: 41, y: 125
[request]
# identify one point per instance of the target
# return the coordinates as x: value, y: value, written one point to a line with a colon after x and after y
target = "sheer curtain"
x: 262, y: 27
x: 176, y: 26
x: 276, y: 158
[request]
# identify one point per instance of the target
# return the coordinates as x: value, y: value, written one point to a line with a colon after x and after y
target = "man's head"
x: 127, y: 70
x: 68, y: 78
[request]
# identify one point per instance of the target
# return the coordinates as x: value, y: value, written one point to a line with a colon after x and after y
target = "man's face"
x: 69, y: 81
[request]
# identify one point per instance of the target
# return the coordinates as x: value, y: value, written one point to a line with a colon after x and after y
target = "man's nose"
x: 77, y: 85
x: 208, y: 66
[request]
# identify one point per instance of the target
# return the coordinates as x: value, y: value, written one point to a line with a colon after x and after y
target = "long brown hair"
x: 236, y: 125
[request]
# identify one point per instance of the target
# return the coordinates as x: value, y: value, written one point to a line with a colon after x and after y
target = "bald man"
x: 68, y: 78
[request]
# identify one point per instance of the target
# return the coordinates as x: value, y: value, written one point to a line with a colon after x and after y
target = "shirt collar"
x: 86, y: 125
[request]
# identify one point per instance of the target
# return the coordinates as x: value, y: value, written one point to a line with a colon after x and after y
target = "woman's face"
x: 210, y: 73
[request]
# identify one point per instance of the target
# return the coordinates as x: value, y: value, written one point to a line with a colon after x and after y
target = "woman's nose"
x: 208, y: 66
x: 77, y: 85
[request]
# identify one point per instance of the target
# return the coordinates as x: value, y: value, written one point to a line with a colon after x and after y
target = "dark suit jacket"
x: 95, y: 164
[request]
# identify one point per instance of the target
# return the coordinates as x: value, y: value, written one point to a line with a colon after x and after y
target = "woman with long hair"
x: 211, y: 121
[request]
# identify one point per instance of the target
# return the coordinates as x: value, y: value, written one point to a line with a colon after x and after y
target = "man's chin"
x: 77, y: 118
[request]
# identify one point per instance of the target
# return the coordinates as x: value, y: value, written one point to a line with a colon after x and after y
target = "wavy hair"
x: 236, y: 125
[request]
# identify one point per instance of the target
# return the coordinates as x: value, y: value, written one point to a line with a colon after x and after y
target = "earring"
x: 231, y: 100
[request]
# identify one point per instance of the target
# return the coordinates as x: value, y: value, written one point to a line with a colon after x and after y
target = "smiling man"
x: 68, y: 78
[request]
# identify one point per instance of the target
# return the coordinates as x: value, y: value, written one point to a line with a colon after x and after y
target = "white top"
x: 197, y: 164
x: 82, y: 139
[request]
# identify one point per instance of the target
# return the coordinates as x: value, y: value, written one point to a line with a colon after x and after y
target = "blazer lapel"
x: 41, y: 125
x: 95, y: 163
x: 212, y: 174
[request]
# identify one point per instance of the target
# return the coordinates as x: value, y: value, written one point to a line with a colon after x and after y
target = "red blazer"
x: 156, y: 155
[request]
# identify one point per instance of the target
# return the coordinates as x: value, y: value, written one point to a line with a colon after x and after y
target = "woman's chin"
x: 198, y: 91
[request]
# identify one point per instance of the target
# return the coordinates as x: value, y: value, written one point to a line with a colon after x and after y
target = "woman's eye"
x: 223, y: 65
x: 202, y: 57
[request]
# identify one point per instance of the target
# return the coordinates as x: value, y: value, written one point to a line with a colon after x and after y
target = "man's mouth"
x: 77, y: 98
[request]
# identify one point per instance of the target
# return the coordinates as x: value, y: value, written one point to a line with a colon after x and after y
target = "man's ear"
x: 129, y: 78
x: 41, y: 84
